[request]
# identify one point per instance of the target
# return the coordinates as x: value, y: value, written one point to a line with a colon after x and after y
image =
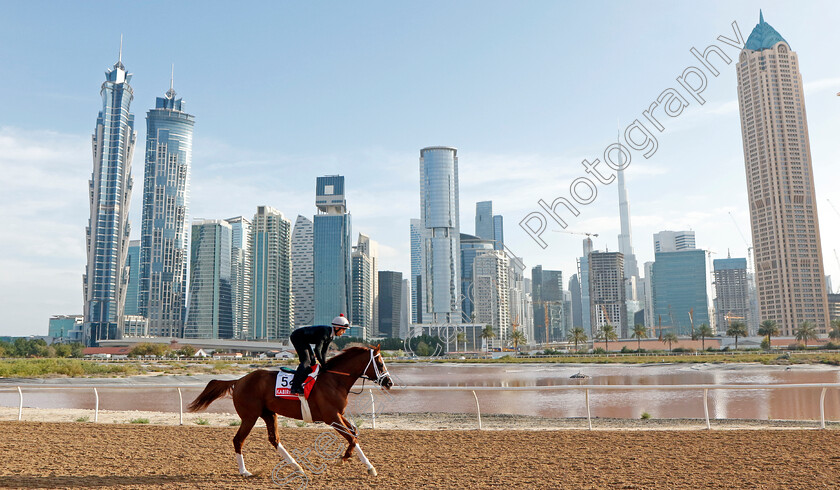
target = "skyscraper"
x: 547, y: 293
x: 405, y: 309
x: 585, y: 300
x: 671, y: 241
x: 484, y: 220
x: 607, y: 292
x: 471, y: 246
x: 574, y: 290
x: 331, y: 248
x: 361, y: 301
x: 303, y: 276
x: 498, y: 232
x: 270, y: 248
x: 679, y: 291
x: 490, y: 275
x: 390, y: 303
x: 416, y: 279
x: 370, y: 248
x: 132, y: 292
x: 732, y: 302
x: 780, y: 183
x: 625, y: 241
x: 105, y: 278
x: 164, y: 234
x: 240, y: 275
x: 210, y: 310
x: 440, y: 212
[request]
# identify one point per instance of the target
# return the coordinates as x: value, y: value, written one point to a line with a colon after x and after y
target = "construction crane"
x: 746, y: 242
x: 576, y: 233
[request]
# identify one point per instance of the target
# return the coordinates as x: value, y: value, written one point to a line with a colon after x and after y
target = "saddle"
x: 284, y: 382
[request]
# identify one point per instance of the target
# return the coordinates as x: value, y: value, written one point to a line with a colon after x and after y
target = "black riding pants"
x: 307, y: 358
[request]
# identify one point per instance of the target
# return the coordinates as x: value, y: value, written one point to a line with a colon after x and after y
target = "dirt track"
x: 53, y: 455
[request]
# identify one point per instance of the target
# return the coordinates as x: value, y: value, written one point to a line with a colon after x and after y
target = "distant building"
x: 484, y: 220
x: 416, y: 278
x: 521, y: 310
x: 731, y: 288
x: 390, y: 303
x: 210, y: 310
x: 548, y: 304
x: 332, y: 249
x: 361, y: 298
x: 136, y: 326
x: 405, y: 309
x: 371, y: 248
x: 679, y: 291
x: 490, y: 274
x: 164, y: 243
x: 574, y: 290
x: 471, y: 246
x: 132, y: 291
x: 498, y: 232
x: 303, y: 273
x: 672, y: 241
x: 240, y: 275
x: 69, y: 328
x: 834, y: 306
x: 583, y: 277
x: 439, y: 208
x: 607, y: 292
x: 270, y: 248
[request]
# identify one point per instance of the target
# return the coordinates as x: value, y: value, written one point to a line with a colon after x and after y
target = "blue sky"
x: 284, y: 92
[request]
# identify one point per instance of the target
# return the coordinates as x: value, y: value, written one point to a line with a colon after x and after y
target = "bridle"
x: 380, y: 375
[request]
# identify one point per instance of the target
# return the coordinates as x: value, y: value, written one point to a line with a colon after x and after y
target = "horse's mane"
x: 344, y: 355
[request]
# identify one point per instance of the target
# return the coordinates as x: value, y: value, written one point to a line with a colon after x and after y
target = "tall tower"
x: 272, y: 304
x: 105, y: 278
x: 210, y: 309
x: 416, y: 239
x: 303, y: 287
x: 625, y: 242
x: 440, y: 212
x: 780, y: 183
x: 240, y: 275
x: 164, y: 233
x: 331, y: 251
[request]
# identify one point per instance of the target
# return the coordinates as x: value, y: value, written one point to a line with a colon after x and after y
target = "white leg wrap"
x: 241, y: 462
x: 288, y: 457
x: 364, y: 460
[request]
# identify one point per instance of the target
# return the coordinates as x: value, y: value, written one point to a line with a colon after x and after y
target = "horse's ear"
x: 377, y: 347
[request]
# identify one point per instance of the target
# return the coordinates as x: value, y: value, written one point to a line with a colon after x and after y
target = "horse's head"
x: 376, y: 370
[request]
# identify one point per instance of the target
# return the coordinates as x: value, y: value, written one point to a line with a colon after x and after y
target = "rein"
x: 379, y: 375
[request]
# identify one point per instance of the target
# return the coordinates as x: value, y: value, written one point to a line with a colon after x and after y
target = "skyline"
x: 509, y: 150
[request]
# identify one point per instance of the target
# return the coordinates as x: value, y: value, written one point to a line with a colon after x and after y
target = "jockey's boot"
x: 297, y: 383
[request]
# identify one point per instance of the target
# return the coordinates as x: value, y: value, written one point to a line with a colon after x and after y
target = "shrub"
x: 300, y: 423
x: 832, y: 346
x: 599, y: 350
x: 683, y: 349
x: 796, y: 347
x: 645, y: 416
x: 139, y: 421
x: 765, y: 344
x: 83, y: 419
x: 625, y: 350
x: 202, y: 422
x: 235, y: 423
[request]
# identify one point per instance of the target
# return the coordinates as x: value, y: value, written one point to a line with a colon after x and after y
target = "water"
x: 799, y: 404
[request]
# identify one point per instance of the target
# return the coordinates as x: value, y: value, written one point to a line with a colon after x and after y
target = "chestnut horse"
x: 253, y: 397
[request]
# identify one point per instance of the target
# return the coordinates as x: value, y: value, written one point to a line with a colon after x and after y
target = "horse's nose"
x: 388, y: 383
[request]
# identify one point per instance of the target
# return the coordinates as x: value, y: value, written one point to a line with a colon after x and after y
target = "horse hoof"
x: 372, y: 471
x: 247, y: 474
x: 298, y: 469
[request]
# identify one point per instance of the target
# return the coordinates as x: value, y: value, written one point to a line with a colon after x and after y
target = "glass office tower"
x: 679, y: 291
x: 165, y: 233
x: 105, y: 278
x: 210, y: 313
x: 331, y: 250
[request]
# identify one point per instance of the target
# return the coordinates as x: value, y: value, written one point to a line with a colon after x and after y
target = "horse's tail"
x: 215, y: 389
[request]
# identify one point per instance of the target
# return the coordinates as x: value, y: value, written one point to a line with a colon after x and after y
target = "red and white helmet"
x: 340, y: 321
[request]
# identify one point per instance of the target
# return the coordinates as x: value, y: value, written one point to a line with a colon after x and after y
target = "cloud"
x: 822, y: 84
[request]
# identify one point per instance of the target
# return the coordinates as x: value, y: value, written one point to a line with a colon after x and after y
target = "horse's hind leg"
x: 239, y: 439
x: 270, y: 419
x: 371, y: 470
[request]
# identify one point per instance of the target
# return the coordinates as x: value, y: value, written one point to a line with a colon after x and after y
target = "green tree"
x: 606, y: 334
x: 518, y: 337
x: 423, y: 349
x: 639, y: 333
x: 461, y: 337
x: 704, y: 331
x: 63, y: 350
x: 834, y: 333
x: 578, y: 336
x: 768, y: 328
x: 77, y: 349
x: 149, y: 349
x: 488, y: 334
x: 737, y: 329
x: 187, y: 351
x: 669, y: 338
x: 806, y: 331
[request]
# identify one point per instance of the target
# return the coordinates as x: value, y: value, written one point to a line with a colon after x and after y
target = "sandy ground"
x: 86, y: 455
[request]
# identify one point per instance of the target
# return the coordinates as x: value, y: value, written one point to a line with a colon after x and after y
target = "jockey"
x: 319, y: 335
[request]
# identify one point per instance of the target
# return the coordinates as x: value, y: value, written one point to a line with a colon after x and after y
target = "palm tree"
x: 639, y: 333
x: 606, y: 334
x: 704, y: 331
x: 488, y: 334
x: 518, y: 337
x: 806, y: 331
x: 768, y: 328
x: 578, y: 336
x: 737, y: 329
x: 669, y: 338
x: 461, y: 337
x: 834, y: 333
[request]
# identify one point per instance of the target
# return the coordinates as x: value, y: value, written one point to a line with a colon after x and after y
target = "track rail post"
x: 372, y: 408
x: 96, y: 411
x: 706, y: 407
x: 588, y: 411
x: 180, y: 407
x: 477, y: 410
x: 20, y: 407
x: 822, y: 409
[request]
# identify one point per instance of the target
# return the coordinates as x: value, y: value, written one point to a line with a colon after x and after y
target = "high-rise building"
x: 672, y: 241
x: 520, y: 310
x: 732, y: 302
x: 210, y: 310
x: 132, y: 291
x: 303, y: 275
x: 107, y: 232
x: 416, y: 279
x: 498, y: 232
x: 577, y: 306
x: 165, y: 234
x: 331, y: 251
x: 780, y: 183
x: 361, y: 300
x: 270, y: 248
x: 370, y: 248
x: 650, y: 317
x: 490, y: 275
x: 679, y: 291
x: 405, y: 309
x: 625, y: 239
x: 834, y: 306
x: 390, y: 303
x: 607, y: 292
x: 471, y: 246
x: 484, y: 220
x: 439, y: 208
x: 240, y: 275
x: 548, y: 302
x: 585, y: 300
